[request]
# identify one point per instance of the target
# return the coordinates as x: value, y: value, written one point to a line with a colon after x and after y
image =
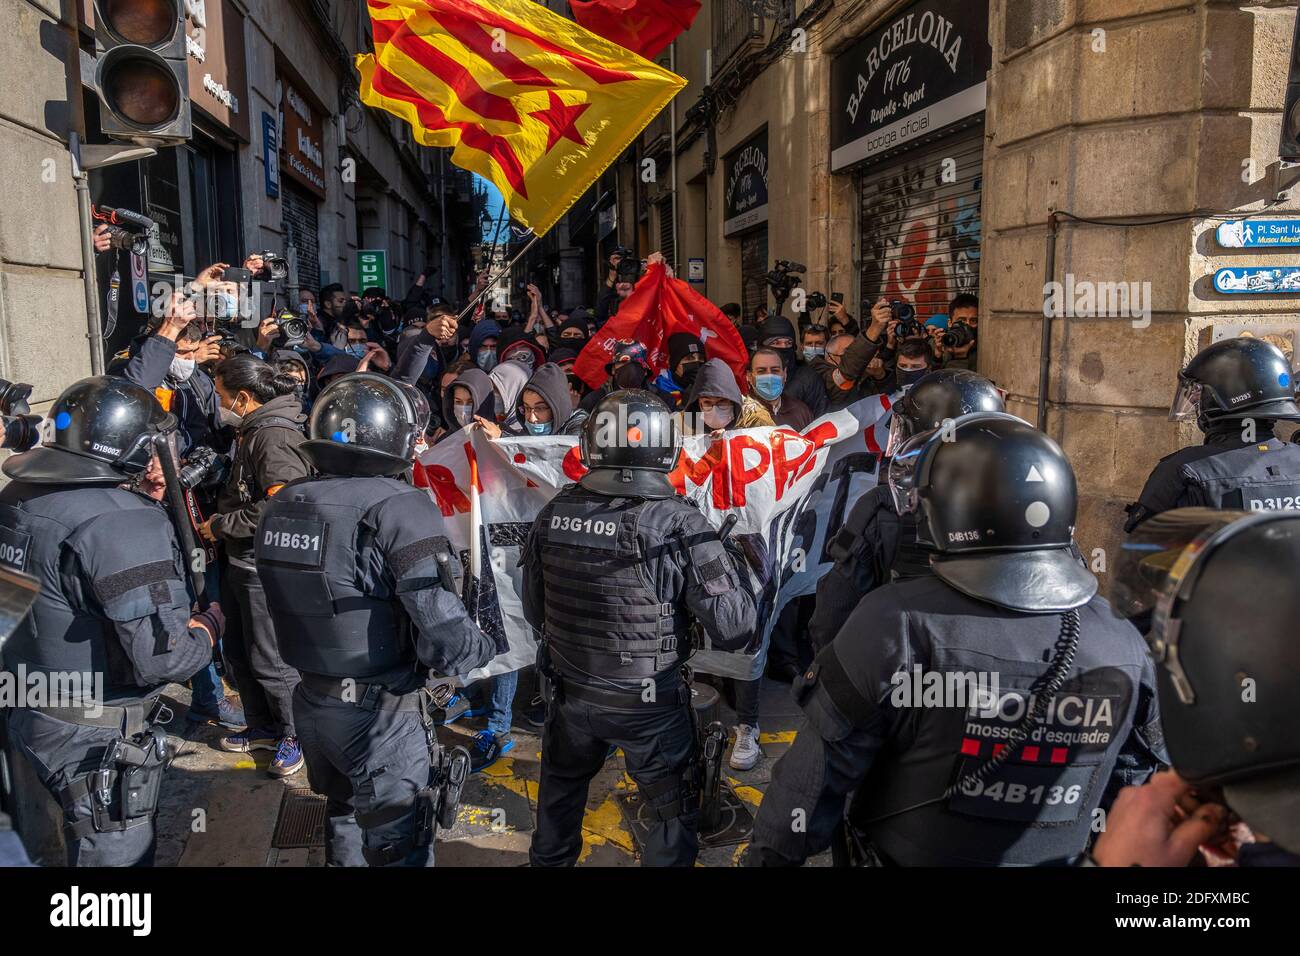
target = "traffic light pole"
x: 94, y: 328
x: 84, y: 159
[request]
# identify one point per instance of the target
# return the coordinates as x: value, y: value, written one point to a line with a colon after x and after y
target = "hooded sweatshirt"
x: 715, y: 380
x: 552, y: 384
x: 487, y: 329
x: 514, y: 336
x: 484, y: 398
x: 509, y: 379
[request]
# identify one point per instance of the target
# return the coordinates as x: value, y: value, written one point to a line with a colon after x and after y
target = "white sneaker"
x: 746, y: 752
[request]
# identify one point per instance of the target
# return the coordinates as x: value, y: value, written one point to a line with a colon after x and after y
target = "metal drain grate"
x: 301, y: 823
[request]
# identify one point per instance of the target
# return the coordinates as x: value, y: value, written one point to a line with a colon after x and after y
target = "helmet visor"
x: 900, y: 430
x: 902, y: 474
x: 1186, y: 406
x: 1155, y: 559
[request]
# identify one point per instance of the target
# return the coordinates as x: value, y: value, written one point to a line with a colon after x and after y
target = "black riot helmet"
x: 996, y: 500
x: 629, y: 444
x: 363, y: 424
x: 421, y: 405
x: 939, y: 396
x: 101, y: 430
x: 1234, y: 379
x: 1220, y: 586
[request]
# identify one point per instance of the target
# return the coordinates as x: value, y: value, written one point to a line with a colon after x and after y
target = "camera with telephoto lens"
x: 958, y: 336
x: 204, y: 468
x: 22, y: 430
x: 274, y: 267
x: 293, y: 329
x: 782, y: 280
x: 814, y: 301
x: 905, y: 313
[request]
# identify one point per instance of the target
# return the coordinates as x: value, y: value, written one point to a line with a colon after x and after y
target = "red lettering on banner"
x: 572, y: 464
x: 440, y: 480
x: 786, y: 471
x: 712, y: 465
x: 740, y: 475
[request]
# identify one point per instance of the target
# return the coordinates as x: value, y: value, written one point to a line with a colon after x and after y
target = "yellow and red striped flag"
x: 528, y: 99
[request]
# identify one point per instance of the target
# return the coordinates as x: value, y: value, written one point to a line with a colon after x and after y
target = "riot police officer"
x: 875, y: 545
x: 1228, y: 690
x: 17, y: 594
x: 350, y: 562
x: 114, y: 606
x: 614, y: 569
x: 1236, y: 390
x: 934, y: 703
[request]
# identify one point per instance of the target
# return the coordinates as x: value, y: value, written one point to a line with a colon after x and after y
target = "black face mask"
x: 906, y: 377
x: 629, y: 376
x: 689, y: 375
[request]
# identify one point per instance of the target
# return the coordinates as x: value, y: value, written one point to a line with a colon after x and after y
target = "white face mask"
x: 230, y: 418
x: 717, y: 417
x: 181, y: 369
x: 464, y: 413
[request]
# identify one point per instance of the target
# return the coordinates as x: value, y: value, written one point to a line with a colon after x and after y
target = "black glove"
x: 213, y: 619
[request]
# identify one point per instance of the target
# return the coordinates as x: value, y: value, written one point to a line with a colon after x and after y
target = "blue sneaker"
x: 288, y: 758
x: 458, y: 708
x: 224, y: 714
x: 487, y: 749
x: 253, y: 738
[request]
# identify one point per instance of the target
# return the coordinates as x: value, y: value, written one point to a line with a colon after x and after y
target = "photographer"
x: 166, y: 359
x: 266, y: 459
x: 846, y: 376
x: 956, y: 346
x: 624, y: 271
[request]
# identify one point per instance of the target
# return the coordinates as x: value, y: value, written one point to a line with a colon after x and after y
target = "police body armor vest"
x: 909, y: 559
x: 58, y: 635
x: 1036, y: 808
x: 1262, y: 477
x: 603, y: 617
x: 313, y: 548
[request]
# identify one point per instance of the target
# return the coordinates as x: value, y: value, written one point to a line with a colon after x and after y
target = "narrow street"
x: 222, y: 809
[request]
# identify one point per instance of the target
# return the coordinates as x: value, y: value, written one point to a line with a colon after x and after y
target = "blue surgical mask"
x: 769, y: 387
x: 356, y: 350
x: 813, y: 352
x: 538, y: 428
x: 227, y: 305
x: 486, y: 359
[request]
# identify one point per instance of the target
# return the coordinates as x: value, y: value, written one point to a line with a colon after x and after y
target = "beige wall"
x: 1179, y: 112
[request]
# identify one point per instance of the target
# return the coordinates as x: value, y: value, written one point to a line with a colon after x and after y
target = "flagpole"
x: 672, y: 136
x: 469, y: 306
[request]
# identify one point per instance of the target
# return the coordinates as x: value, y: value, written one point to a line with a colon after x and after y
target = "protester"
x: 270, y: 430
x: 767, y: 378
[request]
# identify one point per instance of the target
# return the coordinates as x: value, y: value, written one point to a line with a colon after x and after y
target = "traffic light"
x: 140, y: 71
x: 1289, y: 148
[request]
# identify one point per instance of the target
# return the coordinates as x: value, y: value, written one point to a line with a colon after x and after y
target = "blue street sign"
x: 1258, y: 281
x: 1258, y: 233
x: 270, y: 155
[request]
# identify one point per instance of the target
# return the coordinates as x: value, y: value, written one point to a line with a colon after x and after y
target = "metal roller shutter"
x: 753, y: 270
x: 921, y: 234
x: 302, y: 231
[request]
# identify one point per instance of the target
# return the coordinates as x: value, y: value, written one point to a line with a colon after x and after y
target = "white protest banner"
x: 789, y: 491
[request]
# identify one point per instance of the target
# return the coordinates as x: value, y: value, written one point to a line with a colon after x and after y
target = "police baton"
x: 180, y: 516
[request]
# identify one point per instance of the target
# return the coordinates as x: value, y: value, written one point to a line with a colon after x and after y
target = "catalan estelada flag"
x: 528, y: 99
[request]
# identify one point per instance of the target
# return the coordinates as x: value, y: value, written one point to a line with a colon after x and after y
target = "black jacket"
x: 266, y: 457
x: 194, y: 402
